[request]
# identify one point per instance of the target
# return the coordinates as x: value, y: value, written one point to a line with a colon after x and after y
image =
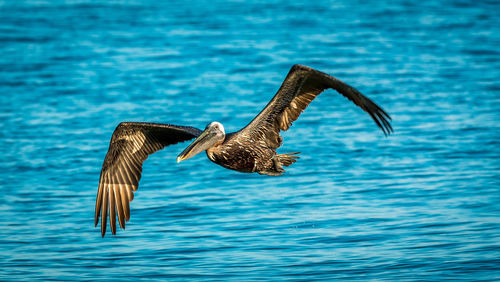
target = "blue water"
x: 422, y: 204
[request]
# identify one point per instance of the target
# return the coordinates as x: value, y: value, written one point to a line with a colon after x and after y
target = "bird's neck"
x: 216, y: 148
x: 211, y: 156
x: 211, y: 152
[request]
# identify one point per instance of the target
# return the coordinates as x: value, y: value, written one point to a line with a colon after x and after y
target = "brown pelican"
x: 251, y: 149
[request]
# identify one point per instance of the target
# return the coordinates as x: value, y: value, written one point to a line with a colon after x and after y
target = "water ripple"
x: 420, y: 205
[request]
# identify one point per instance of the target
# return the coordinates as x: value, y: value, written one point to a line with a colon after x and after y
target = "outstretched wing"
x: 130, y: 146
x: 301, y: 86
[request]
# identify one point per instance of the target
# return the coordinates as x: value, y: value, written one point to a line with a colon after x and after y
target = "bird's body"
x: 244, y: 155
x: 233, y: 155
x: 251, y: 149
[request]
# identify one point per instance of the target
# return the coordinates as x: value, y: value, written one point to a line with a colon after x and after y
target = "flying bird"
x: 251, y: 149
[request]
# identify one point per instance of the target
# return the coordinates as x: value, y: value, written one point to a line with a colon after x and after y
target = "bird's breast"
x: 238, y: 158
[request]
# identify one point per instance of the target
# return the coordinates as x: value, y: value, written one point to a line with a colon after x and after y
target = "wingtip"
x: 388, y: 131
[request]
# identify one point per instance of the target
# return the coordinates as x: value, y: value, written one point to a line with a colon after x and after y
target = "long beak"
x: 202, y: 143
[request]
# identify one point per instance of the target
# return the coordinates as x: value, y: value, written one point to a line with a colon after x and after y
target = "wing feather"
x: 98, y: 201
x: 119, y: 207
x: 104, y: 210
x: 125, y: 202
x: 131, y: 144
x: 112, y: 210
x: 300, y: 87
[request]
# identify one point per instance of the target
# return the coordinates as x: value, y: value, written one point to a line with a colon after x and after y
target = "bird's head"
x: 212, y: 136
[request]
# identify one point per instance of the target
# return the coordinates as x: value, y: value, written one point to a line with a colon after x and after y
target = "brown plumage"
x: 252, y: 149
x: 130, y: 146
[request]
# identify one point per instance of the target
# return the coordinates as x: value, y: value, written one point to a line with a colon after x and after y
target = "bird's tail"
x: 288, y: 158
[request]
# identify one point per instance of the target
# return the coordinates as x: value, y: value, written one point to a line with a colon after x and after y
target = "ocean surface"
x: 422, y: 204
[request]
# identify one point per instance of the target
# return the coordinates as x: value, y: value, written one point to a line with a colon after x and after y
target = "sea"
x: 422, y: 204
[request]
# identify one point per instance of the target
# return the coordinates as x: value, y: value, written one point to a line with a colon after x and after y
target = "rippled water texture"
x: 422, y: 204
